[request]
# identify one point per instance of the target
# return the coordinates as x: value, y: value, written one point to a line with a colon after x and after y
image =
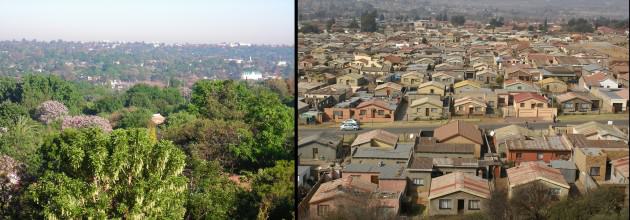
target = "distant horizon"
x: 146, y: 42
x: 183, y: 22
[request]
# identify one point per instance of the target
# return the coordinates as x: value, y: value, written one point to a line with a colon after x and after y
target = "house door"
x: 617, y: 107
x: 577, y: 105
x: 471, y: 110
x: 426, y: 112
x: 315, y: 153
x: 460, y: 206
x: 487, y: 80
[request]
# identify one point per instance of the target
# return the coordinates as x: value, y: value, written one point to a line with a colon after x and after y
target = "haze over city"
x: 188, y: 21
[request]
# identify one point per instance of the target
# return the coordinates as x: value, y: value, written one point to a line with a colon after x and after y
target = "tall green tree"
x: 35, y: 89
x: 212, y: 195
x: 122, y: 175
x: 368, y: 21
x: 274, y: 187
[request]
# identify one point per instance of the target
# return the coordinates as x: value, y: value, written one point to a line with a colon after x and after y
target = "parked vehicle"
x: 349, y: 127
x: 351, y: 121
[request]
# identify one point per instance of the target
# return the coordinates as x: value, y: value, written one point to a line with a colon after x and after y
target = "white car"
x: 350, y: 121
x: 349, y: 127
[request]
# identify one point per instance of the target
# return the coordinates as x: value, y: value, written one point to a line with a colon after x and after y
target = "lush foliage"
x: 134, y: 118
x: 21, y: 141
x: 368, y: 21
x: 212, y: 194
x: 580, y: 25
x: 124, y: 174
x: 10, y: 112
x: 458, y: 20
x: 274, y: 187
x: 153, y: 98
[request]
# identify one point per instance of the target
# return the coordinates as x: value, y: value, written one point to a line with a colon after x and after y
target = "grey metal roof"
x: 324, y: 138
x: 563, y: 164
x: 388, y: 171
x: 402, y: 151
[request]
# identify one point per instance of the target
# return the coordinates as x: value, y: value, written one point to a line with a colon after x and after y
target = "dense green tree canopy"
x: 134, y: 118
x: 91, y: 174
x: 35, y: 89
x: 156, y: 99
x: 212, y: 194
x: 368, y: 21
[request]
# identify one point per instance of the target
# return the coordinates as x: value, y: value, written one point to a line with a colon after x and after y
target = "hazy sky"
x: 193, y: 21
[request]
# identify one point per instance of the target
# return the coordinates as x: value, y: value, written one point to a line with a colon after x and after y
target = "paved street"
x: 302, y: 131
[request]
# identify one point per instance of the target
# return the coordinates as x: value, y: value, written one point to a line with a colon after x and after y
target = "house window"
x: 594, y: 171
x: 568, y: 105
x: 491, y: 103
x: 381, y: 112
x: 519, y: 155
x: 433, y: 109
x: 460, y: 108
x: 419, y: 110
x: 445, y: 204
x: 518, y: 87
x: 473, y: 204
x: 315, y: 152
x: 539, y: 156
x: 374, y: 179
x: 418, y: 181
x: 554, y: 191
x: 431, y: 91
x: 322, y: 210
x: 533, y: 106
x: 477, y: 109
x: 363, y: 112
x: 539, y: 105
x: 586, y: 106
x: 338, y: 113
x: 522, y: 105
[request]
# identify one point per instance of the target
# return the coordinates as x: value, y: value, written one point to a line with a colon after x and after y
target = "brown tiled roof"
x: 342, y: 186
x: 459, y: 182
x: 429, y: 145
x: 458, y: 128
x: 377, y: 102
x: 527, y: 96
x: 377, y: 134
x: 531, y: 171
x: 571, y: 95
x: 594, y: 79
x: 421, y: 163
x: 393, y: 85
x: 544, y: 143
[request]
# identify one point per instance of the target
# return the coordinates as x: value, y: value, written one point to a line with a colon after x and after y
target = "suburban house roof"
x: 379, y: 103
x: 551, y: 80
x: 524, y: 96
x: 621, y: 165
x: 466, y: 82
x: 528, y: 172
x: 458, y: 128
x: 455, y: 162
x: 421, y: 163
x: 544, y: 143
x: 459, y: 182
x: 433, y: 100
x: 612, y: 93
x: 401, y: 151
x: 377, y: 134
x: 432, y: 83
x: 593, y: 127
x: 511, y: 132
x: 388, y: 171
x: 342, y: 186
x: 468, y: 99
x: 413, y: 73
x: 571, y: 95
x: 580, y: 141
x: 441, y: 74
x: 323, y: 138
x: 353, y: 75
x: 595, y: 79
x: 392, y: 85
x: 430, y: 145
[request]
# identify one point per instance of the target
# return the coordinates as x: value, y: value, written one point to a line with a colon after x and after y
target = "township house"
x: 372, y: 110
x: 545, y: 148
x: 466, y: 86
x: 594, y: 159
x: 349, y: 191
x: 426, y: 108
x: 553, y: 85
x: 469, y: 106
x: 530, y: 104
x: 458, y: 193
x: 597, y: 80
x: 510, y: 132
x: 388, y: 89
x: 578, y: 103
x: 597, y: 131
x: 459, y: 132
x: 613, y: 100
x: 533, y: 171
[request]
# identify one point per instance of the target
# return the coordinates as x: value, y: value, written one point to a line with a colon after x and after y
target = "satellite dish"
x: 492, y: 133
